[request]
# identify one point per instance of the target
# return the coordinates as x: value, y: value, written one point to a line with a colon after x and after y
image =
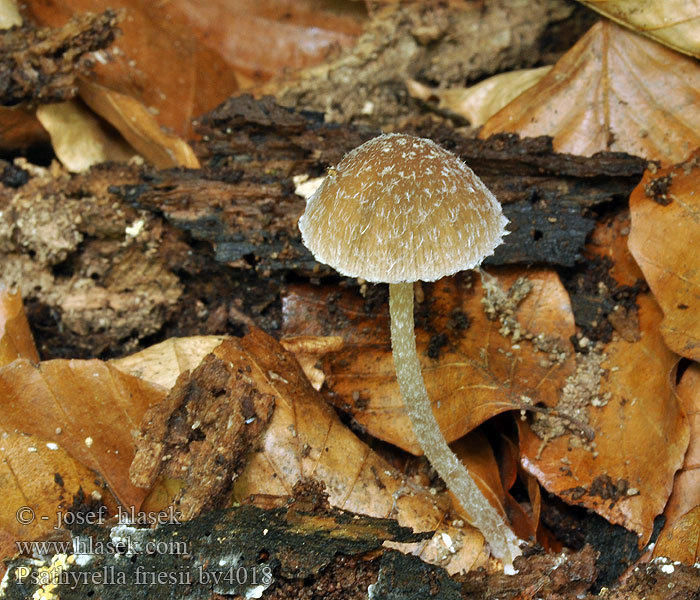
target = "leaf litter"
x: 590, y: 374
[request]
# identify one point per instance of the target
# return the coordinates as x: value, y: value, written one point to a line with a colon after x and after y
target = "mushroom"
x: 400, y: 209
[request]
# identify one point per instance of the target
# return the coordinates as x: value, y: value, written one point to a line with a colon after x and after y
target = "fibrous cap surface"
x: 401, y: 208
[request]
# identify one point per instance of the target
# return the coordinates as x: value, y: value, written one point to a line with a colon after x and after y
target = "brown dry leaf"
x: 78, y: 138
x: 686, y: 487
x: 39, y: 479
x: 9, y: 15
x: 480, y: 102
x: 138, y: 126
x: 156, y: 61
x: 296, y: 33
x: 474, y: 367
x: 474, y: 450
x: 162, y: 495
x: 610, y: 241
x: 525, y: 523
x: 665, y: 209
x: 87, y: 407
x: 309, y: 349
x: 614, y: 90
x: 163, y: 363
x: 675, y: 23
x: 681, y: 541
x: 305, y: 439
x: 624, y: 390
x: 16, y: 339
x: 19, y: 128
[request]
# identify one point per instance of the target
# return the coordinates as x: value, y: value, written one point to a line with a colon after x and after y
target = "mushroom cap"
x: 400, y: 208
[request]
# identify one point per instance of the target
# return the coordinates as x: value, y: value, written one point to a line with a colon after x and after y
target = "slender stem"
x: 483, y: 516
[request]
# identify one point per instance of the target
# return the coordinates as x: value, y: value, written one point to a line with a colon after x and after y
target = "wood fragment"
x: 42, y: 64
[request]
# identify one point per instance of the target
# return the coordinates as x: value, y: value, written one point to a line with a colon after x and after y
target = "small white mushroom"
x: 400, y: 209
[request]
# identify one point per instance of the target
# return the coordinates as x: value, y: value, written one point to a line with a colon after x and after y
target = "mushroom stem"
x: 483, y: 516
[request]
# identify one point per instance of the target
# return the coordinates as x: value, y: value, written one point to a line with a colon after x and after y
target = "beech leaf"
x: 674, y: 23
x: 78, y: 138
x: 306, y: 439
x: 665, y: 209
x: 616, y: 91
x: 681, y: 541
x: 155, y: 62
x: 138, y: 126
x: 162, y: 363
x: 624, y: 391
x: 87, y: 407
x: 40, y: 479
x: 686, y: 486
x: 16, y: 339
x: 479, y: 102
x: 476, y: 365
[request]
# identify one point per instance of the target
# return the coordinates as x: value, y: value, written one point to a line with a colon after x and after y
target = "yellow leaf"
x: 674, y: 23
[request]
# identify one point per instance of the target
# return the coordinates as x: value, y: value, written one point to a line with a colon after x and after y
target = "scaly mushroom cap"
x: 401, y: 208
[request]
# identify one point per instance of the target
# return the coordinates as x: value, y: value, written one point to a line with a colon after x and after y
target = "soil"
x: 601, y: 306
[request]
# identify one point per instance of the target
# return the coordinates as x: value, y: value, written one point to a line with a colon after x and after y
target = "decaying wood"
x: 237, y: 552
x: 42, y: 64
x: 426, y: 41
x: 203, y: 432
x: 243, y: 203
x: 110, y: 257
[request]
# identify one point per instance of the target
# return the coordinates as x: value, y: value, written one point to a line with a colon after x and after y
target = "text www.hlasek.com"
x: 86, y: 545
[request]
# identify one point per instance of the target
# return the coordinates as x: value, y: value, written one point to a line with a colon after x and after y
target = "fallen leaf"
x: 480, y: 102
x: 614, y: 90
x: 156, y: 62
x: 686, y: 487
x: 296, y: 33
x: 88, y: 408
x: 681, y: 541
x: 9, y: 15
x: 624, y: 391
x: 16, y: 339
x: 475, y: 365
x: 610, y: 241
x: 525, y: 521
x: 622, y: 477
x: 305, y: 439
x: 675, y: 24
x: 162, y: 494
x: 19, y: 128
x: 474, y: 450
x: 162, y: 363
x: 309, y: 350
x: 138, y: 126
x: 39, y: 480
x: 78, y: 138
x: 665, y: 209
